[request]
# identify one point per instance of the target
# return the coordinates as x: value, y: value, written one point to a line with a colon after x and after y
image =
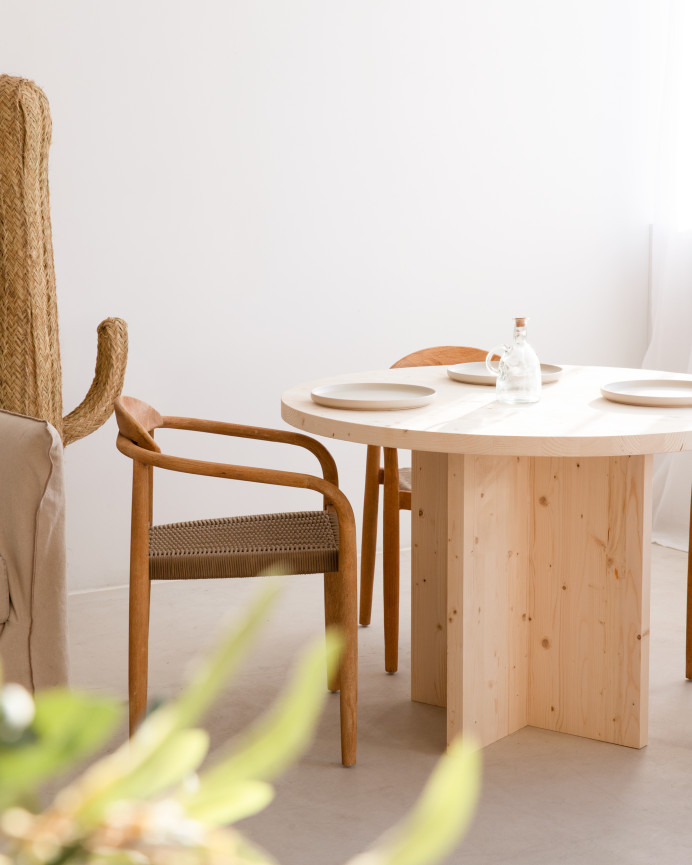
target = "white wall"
x: 273, y: 191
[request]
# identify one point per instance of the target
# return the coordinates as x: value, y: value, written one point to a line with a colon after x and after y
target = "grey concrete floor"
x: 546, y: 797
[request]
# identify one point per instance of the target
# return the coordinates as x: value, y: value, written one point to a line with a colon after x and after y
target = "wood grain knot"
x: 543, y: 501
x: 545, y: 642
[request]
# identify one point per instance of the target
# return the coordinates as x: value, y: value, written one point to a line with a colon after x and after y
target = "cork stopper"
x: 521, y: 321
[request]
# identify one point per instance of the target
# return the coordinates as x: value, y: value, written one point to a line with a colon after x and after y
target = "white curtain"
x: 670, y: 343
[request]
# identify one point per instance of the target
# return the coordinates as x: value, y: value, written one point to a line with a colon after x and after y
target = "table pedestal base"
x: 530, y: 593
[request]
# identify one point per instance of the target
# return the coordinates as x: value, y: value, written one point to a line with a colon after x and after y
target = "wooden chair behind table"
x: 396, y: 497
x: 306, y: 542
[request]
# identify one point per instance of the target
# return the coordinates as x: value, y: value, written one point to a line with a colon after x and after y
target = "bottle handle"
x: 499, y: 349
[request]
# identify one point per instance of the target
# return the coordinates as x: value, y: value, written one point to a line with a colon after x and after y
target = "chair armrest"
x: 326, y: 460
x: 332, y: 494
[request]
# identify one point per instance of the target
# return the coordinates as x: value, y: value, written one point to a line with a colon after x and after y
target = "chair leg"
x: 348, y: 622
x: 688, y: 646
x: 369, y: 538
x: 332, y: 617
x: 390, y: 521
x: 139, y: 594
x: 341, y: 608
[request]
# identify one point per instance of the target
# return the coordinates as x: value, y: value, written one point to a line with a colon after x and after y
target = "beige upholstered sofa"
x: 33, y: 645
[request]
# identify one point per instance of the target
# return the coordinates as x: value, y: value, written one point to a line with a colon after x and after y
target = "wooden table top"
x: 571, y: 419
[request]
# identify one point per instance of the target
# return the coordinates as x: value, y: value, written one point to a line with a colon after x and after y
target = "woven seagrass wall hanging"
x: 30, y: 373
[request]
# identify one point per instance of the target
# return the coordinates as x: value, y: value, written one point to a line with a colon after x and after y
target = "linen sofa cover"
x: 33, y: 640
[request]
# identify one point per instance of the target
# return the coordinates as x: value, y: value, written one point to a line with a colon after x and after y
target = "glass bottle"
x: 519, y: 370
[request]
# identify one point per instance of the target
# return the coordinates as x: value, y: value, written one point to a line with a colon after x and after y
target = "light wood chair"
x: 305, y: 542
x: 396, y: 497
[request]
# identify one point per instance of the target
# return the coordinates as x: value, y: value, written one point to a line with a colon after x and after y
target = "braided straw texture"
x: 97, y: 405
x: 30, y: 372
x: 302, y: 542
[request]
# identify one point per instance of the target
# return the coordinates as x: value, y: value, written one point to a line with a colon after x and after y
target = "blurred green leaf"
x: 439, y: 818
x: 276, y: 740
x: 68, y: 727
x: 212, y: 674
x: 247, y: 854
x: 165, y: 751
x: 111, y: 777
x: 126, y: 775
x: 230, y: 805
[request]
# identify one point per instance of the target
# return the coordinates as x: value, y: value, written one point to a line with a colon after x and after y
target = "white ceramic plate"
x: 653, y: 392
x: 373, y: 396
x: 477, y: 373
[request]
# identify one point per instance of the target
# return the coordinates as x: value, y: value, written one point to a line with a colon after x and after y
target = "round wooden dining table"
x: 531, y: 537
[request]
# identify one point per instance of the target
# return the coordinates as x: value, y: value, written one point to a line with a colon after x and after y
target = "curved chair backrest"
x: 441, y: 355
x: 137, y: 420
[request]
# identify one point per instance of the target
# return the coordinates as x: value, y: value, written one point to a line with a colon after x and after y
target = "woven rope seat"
x: 404, y: 480
x: 302, y: 542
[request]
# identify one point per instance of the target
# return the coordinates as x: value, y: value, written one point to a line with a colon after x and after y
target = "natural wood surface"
x: 589, y: 632
x: 369, y: 534
x: 326, y: 460
x: 137, y: 422
x: 344, y: 614
x: 390, y: 563
x: 488, y: 639
x: 530, y: 546
x: 234, y: 472
x: 442, y: 354
x: 429, y: 564
x: 571, y: 419
x: 469, y: 606
x: 139, y: 593
x: 544, y: 620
